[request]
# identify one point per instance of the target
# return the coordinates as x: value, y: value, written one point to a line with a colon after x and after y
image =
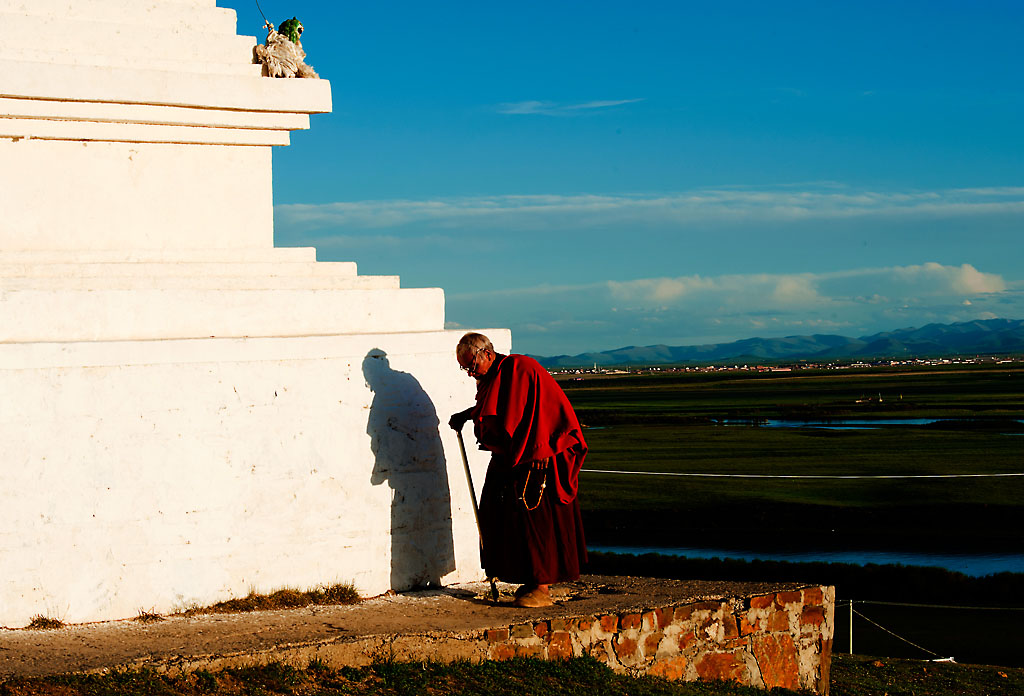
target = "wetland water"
x: 976, y: 565
x: 972, y: 564
x: 844, y: 423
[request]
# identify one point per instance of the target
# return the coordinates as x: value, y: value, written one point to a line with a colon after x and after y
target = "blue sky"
x: 600, y: 174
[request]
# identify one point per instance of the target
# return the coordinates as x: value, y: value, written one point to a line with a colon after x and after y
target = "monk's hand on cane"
x: 459, y: 419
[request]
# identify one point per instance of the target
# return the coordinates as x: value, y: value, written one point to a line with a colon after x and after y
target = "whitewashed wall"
x: 104, y: 195
x: 157, y: 475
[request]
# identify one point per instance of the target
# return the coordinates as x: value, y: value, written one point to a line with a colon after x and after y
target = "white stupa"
x: 188, y: 412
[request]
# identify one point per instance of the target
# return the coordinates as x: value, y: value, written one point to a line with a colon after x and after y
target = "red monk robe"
x: 529, y: 518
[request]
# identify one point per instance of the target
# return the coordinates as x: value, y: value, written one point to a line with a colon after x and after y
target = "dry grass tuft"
x: 148, y: 617
x: 340, y: 593
x: 45, y: 623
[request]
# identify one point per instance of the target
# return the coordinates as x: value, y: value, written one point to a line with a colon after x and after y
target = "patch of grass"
x: 857, y: 675
x: 275, y: 678
x: 205, y: 681
x: 851, y: 676
x: 45, y: 623
x: 522, y: 676
x: 117, y: 683
x: 148, y: 617
x: 338, y: 593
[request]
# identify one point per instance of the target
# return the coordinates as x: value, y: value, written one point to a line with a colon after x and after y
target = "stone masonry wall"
x: 782, y: 639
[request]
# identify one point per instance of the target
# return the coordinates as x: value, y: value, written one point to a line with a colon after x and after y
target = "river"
x: 851, y: 423
x: 969, y: 564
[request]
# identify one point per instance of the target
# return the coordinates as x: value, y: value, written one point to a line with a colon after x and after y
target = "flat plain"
x: 672, y: 423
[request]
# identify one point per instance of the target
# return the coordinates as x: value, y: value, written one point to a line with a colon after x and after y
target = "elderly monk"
x: 530, y: 525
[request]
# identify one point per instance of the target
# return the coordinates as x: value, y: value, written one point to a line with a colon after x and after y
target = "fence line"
x: 938, y: 658
x: 936, y: 606
x: 799, y: 476
x: 894, y: 635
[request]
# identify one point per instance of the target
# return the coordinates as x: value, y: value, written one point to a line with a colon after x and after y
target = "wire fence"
x: 934, y: 656
x: 836, y: 477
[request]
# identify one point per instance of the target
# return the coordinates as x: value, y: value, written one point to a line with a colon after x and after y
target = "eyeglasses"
x: 469, y: 368
x: 472, y: 362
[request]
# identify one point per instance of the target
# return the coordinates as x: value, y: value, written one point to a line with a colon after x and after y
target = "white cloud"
x: 785, y: 292
x: 659, y: 290
x: 700, y: 309
x: 350, y: 242
x: 994, y: 191
x: 683, y: 209
x: 546, y: 108
x: 970, y: 280
x: 753, y: 291
x: 925, y: 280
x: 795, y: 291
x: 778, y: 292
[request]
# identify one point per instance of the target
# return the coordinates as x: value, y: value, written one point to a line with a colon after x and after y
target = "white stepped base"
x: 112, y: 196
x: 151, y: 14
x: 256, y: 269
x: 138, y: 133
x: 208, y: 283
x: 188, y: 44
x: 141, y: 314
x: 86, y: 256
x: 143, y: 114
x: 35, y: 55
x: 131, y: 86
x: 154, y: 475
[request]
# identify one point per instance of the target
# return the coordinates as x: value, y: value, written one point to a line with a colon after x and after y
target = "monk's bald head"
x: 472, y: 343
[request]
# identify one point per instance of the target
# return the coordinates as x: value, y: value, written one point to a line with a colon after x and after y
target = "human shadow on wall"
x: 409, y: 456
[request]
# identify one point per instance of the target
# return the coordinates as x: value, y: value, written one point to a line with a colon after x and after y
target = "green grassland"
x: 851, y: 676
x: 669, y: 423
x: 954, y: 391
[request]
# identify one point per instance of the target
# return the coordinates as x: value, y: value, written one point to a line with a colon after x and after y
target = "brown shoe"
x: 533, y: 599
x: 524, y: 589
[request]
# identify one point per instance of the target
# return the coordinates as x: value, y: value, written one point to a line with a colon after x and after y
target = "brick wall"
x: 780, y: 639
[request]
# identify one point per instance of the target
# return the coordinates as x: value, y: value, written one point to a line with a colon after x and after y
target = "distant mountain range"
x: 990, y: 336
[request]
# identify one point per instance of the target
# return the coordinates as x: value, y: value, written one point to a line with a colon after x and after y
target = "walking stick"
x: 476, y: 508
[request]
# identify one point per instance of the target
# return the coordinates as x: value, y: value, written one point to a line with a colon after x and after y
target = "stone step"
x: 268, y: 255
x: 257, y: 270
x: 185, y: 5
x: 130, y: 86
x: 200, y: 282
x: 52, y: 110
x: 70, y: 37
x: 199, y: 17
x: 87, y: 354
x: 137, y: 133
x: 38, y: 55
x: 56, y: 315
